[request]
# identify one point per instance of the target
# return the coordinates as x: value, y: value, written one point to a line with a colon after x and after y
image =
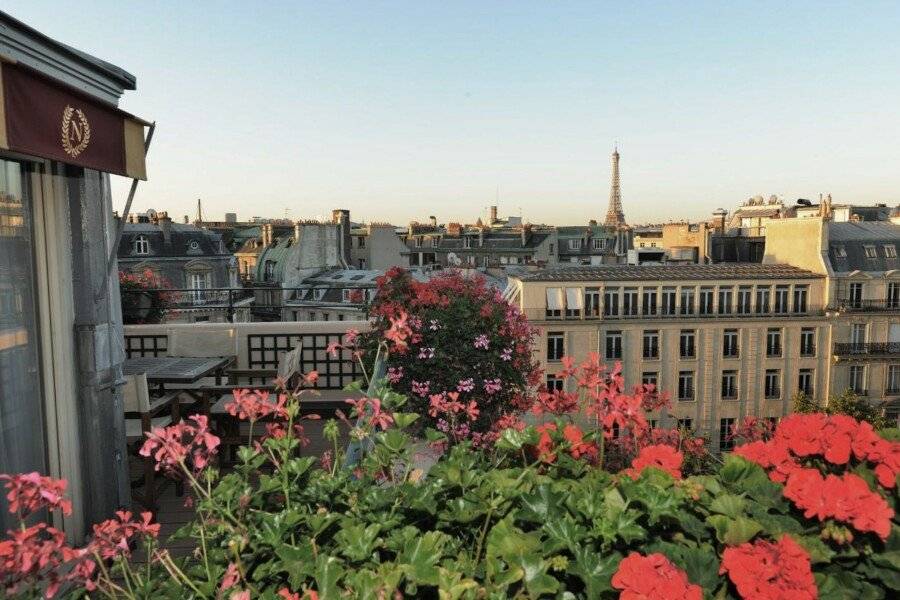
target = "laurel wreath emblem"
x: 68, y: 114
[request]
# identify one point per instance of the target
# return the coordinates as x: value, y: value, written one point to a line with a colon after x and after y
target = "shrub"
x: 458, y: 350
x: 144, y: 297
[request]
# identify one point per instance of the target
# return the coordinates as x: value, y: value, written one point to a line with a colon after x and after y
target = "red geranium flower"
x: 770, y: 571
x: 653, y: 577
x: 660, y: 456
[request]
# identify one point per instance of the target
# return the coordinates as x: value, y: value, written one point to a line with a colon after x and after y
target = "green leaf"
x: 729, y: 505
x: 404, y: 420
x: 422, y: 555
x: 542, y: 504
x: 819, y: 552
x: 328, y: 571
x: 512, y: 439
x: 357, y: 542
x: 734, y: 532
x: 595, y: 571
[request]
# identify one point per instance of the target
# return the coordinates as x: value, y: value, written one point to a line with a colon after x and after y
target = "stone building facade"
x: 724, y: 340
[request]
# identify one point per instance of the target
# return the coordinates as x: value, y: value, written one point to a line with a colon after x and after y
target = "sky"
x: 402, y: 110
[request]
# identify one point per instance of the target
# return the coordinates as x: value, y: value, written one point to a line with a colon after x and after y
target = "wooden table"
x: 161, y: 370
x: 180, y: 372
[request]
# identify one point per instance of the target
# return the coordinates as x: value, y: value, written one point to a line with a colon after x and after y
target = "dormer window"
x: 194, y: 245
x: 418, y: 241
x: 141, y: 245
x: 467, y: 242
x: 574, y: 244
x: 871, y: 252
x: 434, y: 242
x: 840, y: 252
x: 890, y: 251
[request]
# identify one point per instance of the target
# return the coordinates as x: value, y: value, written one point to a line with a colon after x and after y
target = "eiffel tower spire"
x: 614, y: 214
x: 199, y: 218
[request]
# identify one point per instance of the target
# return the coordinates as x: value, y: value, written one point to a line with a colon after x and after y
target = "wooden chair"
x: 146, y: 414
x: 288, y: 370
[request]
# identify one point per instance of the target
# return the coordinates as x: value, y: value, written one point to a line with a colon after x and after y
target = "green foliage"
x: 848, y: 403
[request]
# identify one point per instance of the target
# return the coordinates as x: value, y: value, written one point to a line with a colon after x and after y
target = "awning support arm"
x: 110, y: 263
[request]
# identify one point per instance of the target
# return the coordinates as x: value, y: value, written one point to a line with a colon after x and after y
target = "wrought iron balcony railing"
x: 866, y: 305
x: 868, y: 349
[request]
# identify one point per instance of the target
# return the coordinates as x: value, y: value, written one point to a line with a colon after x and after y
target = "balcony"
x: 856, y: 305
x: 659, y: 315
x: 867, y: 351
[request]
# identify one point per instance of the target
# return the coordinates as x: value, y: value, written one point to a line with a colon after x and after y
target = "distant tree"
x: 802, y: 403
x: 848, y: 403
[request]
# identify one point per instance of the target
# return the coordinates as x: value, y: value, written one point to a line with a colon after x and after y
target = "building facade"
x: 190, y: 259
x: 724, y: 340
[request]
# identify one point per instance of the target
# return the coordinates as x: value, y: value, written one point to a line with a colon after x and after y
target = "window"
x: 892, y: 385
x: 773, y: 342
x: 687, y: 301
x: 762, y: 300
x: 613, y: 345
x: 893, y: 295
x: 650, y: 378
x: 574, y: 297
x: 312, y: 316
x: 649, y: 301
x: 668, y: 301
x: 434, y: 242
x: 800, y: 295
x: 729, y: 385
x: 574, y: 244
x: 598, y: 244
x: 706, y: 301
x: 871, y: 252
x: 554, y: 383
x: 141, y: 245
x: 630, y: 302
x: 726, y: 441
x: 730, y: 347
x: 890, y: 251
x: 686, y: 424
x: 467, y: 243
x: 840, y: 251
x: 325, y: 316
x: 685, y: 386
x: 555, y: 346
x: 686, y: 344
x: 858, y: 337
x: 611, y: 302
x: 773, y: 384
x: 418, y: 241
x: 858, y: 379
x: 198, y: 283
x: 855, y: 298
x: 781, y: 299
x: 194, y: 245
x: 554, y: 302
x: 269, y: 270
x: 808, y: 341
x: 743, y: 300
x: 805, y: 382
x: 592, y: 302
x: 725, y: 295
x: 360, y: 242
x: 651, y: 344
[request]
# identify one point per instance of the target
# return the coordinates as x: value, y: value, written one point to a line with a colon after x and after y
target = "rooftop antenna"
x: 199, y: 212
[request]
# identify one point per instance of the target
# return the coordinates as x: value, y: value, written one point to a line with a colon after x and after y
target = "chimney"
x: 526, y: 233
x: 165, y: 224
x: 266, y: 235
x: 433, y: 221
x: 480, y: 237
x: 718, y: 219
x: 341, y: 217
x: 493, y: 215
x: 411, y: 228
x: 186, y: 220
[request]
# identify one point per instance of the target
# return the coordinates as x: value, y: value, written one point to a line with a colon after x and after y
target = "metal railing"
x: 263, y: 302
x: 866, y: 305
x: 867, y: 349
x: 659, y: 314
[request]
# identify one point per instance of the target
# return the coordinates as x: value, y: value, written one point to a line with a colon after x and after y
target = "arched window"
x: 141, y: 245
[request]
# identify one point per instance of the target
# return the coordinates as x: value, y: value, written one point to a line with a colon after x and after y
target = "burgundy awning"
x: 43, y: 117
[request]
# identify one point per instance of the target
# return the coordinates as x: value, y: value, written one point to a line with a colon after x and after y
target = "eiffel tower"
x: 614, y: 214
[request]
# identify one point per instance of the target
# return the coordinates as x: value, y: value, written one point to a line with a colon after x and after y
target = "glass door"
x: 22, y: 445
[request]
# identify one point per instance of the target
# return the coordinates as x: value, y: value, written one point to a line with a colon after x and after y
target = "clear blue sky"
x: 402, y: 110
